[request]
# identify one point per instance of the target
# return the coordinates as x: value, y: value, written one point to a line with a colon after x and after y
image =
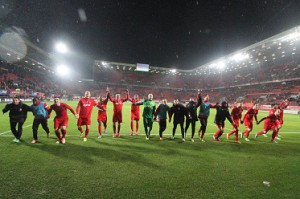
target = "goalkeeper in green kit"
x: 148, y: 114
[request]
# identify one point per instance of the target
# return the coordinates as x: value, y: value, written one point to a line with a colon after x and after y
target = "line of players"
x: 179, y: 112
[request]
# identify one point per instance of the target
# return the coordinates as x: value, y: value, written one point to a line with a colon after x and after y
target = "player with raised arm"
x: 270, y: 123
x: 83, y: 113
x: 102, y: 115
x: 148, y: 114
x: 161, y: 117
x: 248, y: 121
x: 17, y: 116
x: 236, y: 114
x: 117, y: 116
x: 222, y: 113
x: 61, y: 119
x: 134, y: 114
x: 283, y: 105
x: 204, y: 113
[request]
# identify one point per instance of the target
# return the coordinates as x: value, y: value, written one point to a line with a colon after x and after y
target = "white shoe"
x: 100, y: 136
x: 172, y: 138
x: 247, y: 139
x: 192, y: 140
x: 265, y: 135
x: 183, y: 140
x: 63, y: 140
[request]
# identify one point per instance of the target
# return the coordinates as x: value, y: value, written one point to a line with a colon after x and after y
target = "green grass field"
x: 131, y: 167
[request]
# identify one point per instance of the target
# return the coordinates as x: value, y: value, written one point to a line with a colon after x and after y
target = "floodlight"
x: 62, y: 70
x: 61, y: 47
x: 239, y: 57
x: 173, y: 70
x: 221, y: 65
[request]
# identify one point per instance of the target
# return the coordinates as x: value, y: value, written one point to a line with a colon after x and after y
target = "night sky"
x: 166, y: 33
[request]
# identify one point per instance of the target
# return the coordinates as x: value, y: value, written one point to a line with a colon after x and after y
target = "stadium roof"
x: 271, y: 51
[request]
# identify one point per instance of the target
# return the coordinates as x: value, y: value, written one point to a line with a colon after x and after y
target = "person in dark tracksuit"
x: 40, y: 112
x: 161, y: 116
x: 222, y: 113
x: 17, y: 116
x: 179, y: 112
x: 191, y: 118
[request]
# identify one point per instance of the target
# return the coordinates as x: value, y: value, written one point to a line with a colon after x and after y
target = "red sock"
x: 100, y: 129
x: 236, y: 135
x: 64, y: 132
x: 119, y: 127
x: 247, y: 132
x: 274, y: 134
x: 87, y: 132
x: 231, y: 132
x: 260, y: 133
x: 80, y: 129
x: 57, y: 134
x: 131, y: 126
x: 137, y: 127
x: 216, y: 135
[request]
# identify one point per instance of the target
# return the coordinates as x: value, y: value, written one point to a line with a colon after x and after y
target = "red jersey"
x: 102, y: 110
x: 61, y: 110
x: 250, y: 114
x: 85, y: 107
x: 135, y: 109
x: 236, y: 113
x: 118, y: 104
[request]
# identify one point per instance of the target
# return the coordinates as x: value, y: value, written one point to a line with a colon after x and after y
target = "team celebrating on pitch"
x: 181, y: 114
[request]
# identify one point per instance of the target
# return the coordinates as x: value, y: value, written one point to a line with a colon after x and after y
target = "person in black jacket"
x: 191, y: 118
x: 17, y: 115
x: 221, y: 114
x: 179, y: 112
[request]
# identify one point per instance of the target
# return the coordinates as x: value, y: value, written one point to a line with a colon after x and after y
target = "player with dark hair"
x: 40, y: 112
x: 248, y: 121
x: 179, y: 112
x: 222, y: 113
x: 236, y: 114
x: 61, y: 119
x: 117, y: 116
x: 161, y: 117
x: 17, y: 116
x: 102, y: 116
x: 270, y: 123
x: 135, y: 115
x: 191, y: 118
x: 148, y: 114
x: 204, y: 113
x: 83, y: 113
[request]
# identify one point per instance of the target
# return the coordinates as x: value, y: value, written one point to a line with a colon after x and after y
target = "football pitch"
x: 132, y: 167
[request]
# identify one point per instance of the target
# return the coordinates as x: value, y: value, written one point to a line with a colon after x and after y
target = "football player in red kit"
x: 61, y: 118
x: 283, y: 105
x: 135, y: 114
x: 117, y: 116
x: 102, y: 116
x: 84, y: 112
x: 248, y: 121
x: 236, y: 114
x: 270, y: 123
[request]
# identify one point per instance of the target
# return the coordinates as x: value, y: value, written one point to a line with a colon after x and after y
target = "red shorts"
x: 248, y: 124
x: 237, y: 123
x: 270, y: 125
x: 117, y: 117
x: 135, y: 116
x: 83, y: 121
x: 102, y: 118
x: 59, y: 122
x: 281, y: 121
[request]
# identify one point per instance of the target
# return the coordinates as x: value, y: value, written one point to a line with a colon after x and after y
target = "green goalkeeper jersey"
x: 149, y: 108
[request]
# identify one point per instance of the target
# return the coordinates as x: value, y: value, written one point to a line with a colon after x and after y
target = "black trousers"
x: 35, y: 126
x: 162, y: 126
x: 187, y: 125
x: 203, y: 122
x: 175, y: 123
x: 13, y: 127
